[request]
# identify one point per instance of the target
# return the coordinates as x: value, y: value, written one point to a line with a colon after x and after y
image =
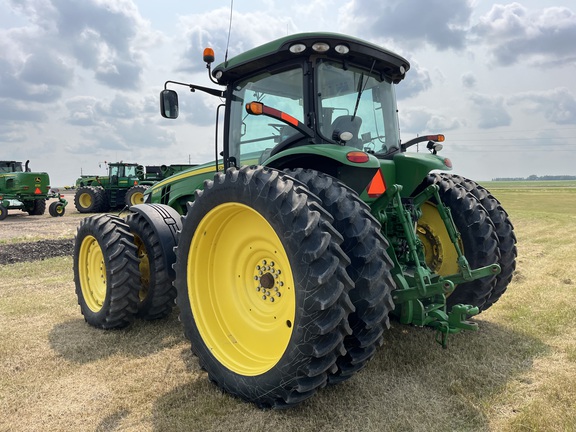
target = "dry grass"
x: 518, y: 373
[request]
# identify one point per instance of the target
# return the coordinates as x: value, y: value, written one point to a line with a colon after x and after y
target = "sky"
x: 80, y: 79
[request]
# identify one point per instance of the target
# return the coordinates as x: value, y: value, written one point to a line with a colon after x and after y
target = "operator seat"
x: 347, y: 123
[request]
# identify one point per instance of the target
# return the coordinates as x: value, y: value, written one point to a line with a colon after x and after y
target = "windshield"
x: 357, y: 107
x: 252, y: 135
x: 7, y: 167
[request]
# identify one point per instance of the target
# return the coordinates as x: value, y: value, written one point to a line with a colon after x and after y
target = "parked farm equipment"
x: 289, y: 256
x: 124, y: 186
x: 21, y: 189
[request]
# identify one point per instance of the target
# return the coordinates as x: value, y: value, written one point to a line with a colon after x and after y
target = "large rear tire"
x: 3, y: 212
x: 36, y: 207
x: 155, y: 240
x: 262, y: 286
x: 369, y: 268
x: 478, y: 240
x: 106, y: 272
x: 504, y: 231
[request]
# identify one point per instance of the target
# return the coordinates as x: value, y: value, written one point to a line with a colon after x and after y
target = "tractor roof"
x: 360, y: 52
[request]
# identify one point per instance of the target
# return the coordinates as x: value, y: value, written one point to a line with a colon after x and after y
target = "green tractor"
x: 123, y: 187
x: 24, y: 190
x: 290, y: 254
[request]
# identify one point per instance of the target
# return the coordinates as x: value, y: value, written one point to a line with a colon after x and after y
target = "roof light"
x: 342, y: 49
x: 218, y: 75
x: 321, y: 47
x: 297, y: 48
x: 208, y: 55
x: 357, y: 157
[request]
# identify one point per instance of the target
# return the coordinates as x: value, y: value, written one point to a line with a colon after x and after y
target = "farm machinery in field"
x: 124, y: 186
x: 288, y: 256
x: 22, y: 189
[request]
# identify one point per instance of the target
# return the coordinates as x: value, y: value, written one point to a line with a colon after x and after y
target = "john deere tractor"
x: 124, y: 186
x: 24, y: 190
x: 290, y: 254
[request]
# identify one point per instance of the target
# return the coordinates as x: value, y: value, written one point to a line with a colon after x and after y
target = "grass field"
x: 517, y: 373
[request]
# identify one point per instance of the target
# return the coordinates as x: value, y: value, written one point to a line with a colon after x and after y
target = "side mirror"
x: 169, y: 104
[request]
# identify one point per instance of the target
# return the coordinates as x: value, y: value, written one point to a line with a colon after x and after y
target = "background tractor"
x: 289, y: 256
x: 24, y: 190
x: 124, y: 186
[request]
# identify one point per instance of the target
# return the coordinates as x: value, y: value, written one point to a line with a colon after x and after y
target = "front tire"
x: 89, y: 199
x: 3, y: 212
x: 262, y: 286
x: 56, y: 209
x: 106, y: 272
x: 135, y: 195
x: 369, y: 268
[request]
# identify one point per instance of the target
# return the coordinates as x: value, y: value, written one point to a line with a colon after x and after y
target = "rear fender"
x: 166, y: 222
x: 329, y: 159
x: 412, y: 168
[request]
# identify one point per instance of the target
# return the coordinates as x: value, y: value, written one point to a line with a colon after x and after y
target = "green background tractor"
x: 124, y: 185
x: 290, y: 254
x: 24, y: 190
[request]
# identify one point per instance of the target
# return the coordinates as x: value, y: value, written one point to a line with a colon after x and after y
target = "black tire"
x: 3, y: 212
x: 89, y: 199
x: 369, y: 269
x: 36, y: 207
x: 263, y: 265
x: 478, y: 240
x: 135, y: 195
x: 504, y: 231
x: 106, y: 272
x: 157, y: 292
x: 56, y: 209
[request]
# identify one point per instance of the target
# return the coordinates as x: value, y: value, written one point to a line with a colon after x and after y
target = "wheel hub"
x: 269, y: 282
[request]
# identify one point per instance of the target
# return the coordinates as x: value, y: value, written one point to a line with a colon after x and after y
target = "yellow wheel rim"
x: 59, y: 209
x: 136, y: 198
x: 92, y: 273
x: 241, y: 289
x: 440, y: 254
x: 85, y: 200
x: 144, y: 267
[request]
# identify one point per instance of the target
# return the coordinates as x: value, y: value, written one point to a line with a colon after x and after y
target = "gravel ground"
x: 30, y: 238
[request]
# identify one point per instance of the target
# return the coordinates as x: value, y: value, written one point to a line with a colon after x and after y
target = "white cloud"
x: 515, y: 34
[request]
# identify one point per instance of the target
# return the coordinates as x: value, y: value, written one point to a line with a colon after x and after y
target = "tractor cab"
x: 123, y: 174
x: 302, y: 90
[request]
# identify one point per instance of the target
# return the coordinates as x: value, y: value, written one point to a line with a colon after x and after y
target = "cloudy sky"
x: 79, y: 79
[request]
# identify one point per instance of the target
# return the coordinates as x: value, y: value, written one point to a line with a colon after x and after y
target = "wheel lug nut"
x: 272, y: 263
x: 256, y: 278
x: 263, y: 262
x: 278, y: 294
x: 272, y: 299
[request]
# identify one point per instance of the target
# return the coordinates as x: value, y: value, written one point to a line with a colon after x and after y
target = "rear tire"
x: 262, y: 286
x: 504, y: 231
x: 478, y: 240
x: 37, y: 207
x: 89, y: 199
x: 106, y: 272
x: 3, y: 212
x: 369, y: 269
x: 157, y: 292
